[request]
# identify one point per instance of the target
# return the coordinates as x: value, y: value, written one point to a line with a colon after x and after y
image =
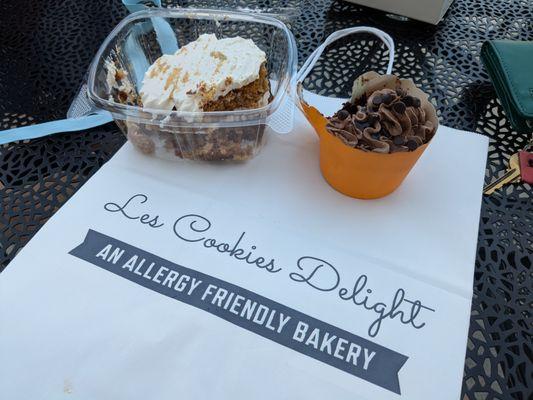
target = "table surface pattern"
x: 46, y: 47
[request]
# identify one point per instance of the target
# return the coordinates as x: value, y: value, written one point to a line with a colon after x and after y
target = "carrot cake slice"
x: 208, y: 75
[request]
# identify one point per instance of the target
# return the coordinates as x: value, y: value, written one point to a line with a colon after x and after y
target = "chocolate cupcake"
x: 384, y: 116
x: 368, y: 147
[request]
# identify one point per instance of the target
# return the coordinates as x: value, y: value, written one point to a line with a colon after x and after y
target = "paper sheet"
x: 81, y: 327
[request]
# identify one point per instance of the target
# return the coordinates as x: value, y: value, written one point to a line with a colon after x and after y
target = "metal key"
x: 512, y: 175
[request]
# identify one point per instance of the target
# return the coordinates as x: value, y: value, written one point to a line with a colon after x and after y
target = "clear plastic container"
x: 139, y: 39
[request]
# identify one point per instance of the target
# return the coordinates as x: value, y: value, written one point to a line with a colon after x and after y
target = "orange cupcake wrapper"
x: 354, y: 172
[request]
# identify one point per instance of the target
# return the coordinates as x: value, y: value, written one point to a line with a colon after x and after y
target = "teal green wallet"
x: 510, y: 67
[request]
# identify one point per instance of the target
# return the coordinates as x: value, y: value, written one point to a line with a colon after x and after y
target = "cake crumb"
x: 202, y: 87
x: 172, y: 78
x: 159, y: 67
x: 245, y: 97
x: 207, y: 92
x: 155, y: 68
x: 219, y: 55
x: 122, y: 96
x: 164, y: 68
x: 119, y: 75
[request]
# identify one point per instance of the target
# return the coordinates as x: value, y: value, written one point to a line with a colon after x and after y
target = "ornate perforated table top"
x: 46, y: 47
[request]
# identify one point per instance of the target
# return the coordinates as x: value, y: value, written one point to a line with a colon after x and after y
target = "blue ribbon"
x: 139, y: 5
x: 169, y: 45
x: 50, y: 128
x: 165, y: 34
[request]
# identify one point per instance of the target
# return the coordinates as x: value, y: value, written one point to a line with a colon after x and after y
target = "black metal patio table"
x: 46, y: 47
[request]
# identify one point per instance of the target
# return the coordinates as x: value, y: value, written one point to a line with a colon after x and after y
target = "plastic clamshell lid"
x: 118, y: 37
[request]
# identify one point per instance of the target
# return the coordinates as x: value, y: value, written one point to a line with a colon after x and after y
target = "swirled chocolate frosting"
x: 386, y: 121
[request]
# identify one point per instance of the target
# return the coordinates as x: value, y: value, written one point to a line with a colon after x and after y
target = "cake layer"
x: 202, y: 72
x: 253, y: 95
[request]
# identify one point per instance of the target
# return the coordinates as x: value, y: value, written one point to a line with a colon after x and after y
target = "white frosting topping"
x: 201, y: 71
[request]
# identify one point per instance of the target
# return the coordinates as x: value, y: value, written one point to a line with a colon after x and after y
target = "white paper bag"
x: 353, y: 299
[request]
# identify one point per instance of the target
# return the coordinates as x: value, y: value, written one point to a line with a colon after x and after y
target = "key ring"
x: 529, y: 145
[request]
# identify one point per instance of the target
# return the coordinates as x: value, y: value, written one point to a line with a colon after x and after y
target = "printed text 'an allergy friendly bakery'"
x: 239, y: 305
x: 246, y: 309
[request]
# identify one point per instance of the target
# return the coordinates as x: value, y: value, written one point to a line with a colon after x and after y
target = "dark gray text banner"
x: 288, y: 327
